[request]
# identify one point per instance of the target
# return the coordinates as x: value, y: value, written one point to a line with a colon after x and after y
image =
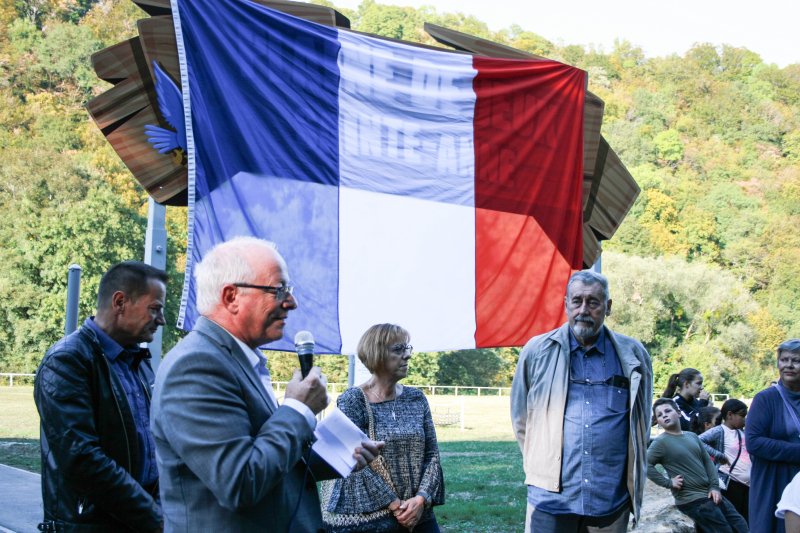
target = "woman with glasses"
x: 400, y: 496
x: 773, y: 440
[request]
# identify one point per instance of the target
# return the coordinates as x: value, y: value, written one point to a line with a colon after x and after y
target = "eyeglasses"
x: 281, y: 292
x: 401, y: 348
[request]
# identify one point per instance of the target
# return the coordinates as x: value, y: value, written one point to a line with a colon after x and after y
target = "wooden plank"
x: 594, y: 176
x: 118, y: 103
x: 475, y: 45
x: 593, y: 109
x: 616, y: 194
x: 591, y: 246
x: 117, y: 62
x: 121, y: 114
x: 313, y: 12
x: 162, y: 177
x: 154, y: 7
x: 157, y: 38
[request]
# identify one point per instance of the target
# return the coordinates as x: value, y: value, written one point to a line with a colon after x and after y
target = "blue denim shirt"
x: 125, y: 362
x: 593, y: 469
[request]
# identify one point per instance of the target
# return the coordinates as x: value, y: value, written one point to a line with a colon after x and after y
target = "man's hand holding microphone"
x: 312, y: 390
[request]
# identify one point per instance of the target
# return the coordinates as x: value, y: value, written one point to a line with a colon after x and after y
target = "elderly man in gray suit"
x: 231, y: 459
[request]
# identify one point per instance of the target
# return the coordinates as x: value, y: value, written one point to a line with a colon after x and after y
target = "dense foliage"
x: 702, y: 270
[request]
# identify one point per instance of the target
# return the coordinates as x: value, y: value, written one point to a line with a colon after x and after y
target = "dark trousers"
x: 541, y: 522
x: 429, y: 526
x: 738, y: 494
x: 721, y: 518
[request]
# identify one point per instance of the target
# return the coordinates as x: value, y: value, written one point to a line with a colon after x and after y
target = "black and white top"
x: 411, y: 454
x: 688, y: 410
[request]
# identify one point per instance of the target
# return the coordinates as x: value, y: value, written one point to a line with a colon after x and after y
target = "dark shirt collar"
x: 599, y: 343
x: 112, y: 349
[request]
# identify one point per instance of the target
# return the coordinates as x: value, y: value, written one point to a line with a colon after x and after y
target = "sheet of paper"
x: 337, y: 438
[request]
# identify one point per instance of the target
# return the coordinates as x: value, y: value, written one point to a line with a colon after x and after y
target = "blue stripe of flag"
x: 264, y: 103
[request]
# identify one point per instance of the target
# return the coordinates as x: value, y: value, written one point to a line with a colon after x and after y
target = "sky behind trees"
x: 768, y: 27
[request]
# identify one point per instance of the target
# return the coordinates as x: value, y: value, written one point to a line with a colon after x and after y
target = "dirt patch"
x: 659, y: 514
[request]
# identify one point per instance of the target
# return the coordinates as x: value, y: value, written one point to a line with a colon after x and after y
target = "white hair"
x: 590, y: 277
x: 228, y: 262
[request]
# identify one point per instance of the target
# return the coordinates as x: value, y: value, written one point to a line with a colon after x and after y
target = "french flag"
x: 402, y: 184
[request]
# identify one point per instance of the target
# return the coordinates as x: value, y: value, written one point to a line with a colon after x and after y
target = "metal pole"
x: 155, y: 254
x: 598, y: 265
x: 351, y: 369
x: 73, y: 298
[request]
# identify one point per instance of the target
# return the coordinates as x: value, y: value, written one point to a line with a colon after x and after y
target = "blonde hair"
x: 374, y: 345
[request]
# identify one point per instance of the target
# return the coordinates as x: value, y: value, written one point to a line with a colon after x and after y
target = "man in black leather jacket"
x: 92, y: 391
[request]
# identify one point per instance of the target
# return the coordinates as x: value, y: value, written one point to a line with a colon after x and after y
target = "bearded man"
x: 580, y: 408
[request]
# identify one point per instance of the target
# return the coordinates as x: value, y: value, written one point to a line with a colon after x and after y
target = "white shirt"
x: 790, y: 499
x: 259, y: 363
x: 741, y: 471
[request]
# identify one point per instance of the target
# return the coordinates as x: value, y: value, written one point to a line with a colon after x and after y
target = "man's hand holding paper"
x: 342, y: 445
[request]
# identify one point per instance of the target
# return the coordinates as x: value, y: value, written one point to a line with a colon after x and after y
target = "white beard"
x: 584, y: 331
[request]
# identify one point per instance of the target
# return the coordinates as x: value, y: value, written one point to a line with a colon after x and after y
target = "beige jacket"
x: 538, y: 402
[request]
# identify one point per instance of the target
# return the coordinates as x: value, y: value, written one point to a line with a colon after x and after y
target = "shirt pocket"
x: 617, y: 399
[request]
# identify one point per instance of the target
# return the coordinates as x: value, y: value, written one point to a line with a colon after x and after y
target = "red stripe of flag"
x: 528, y: 195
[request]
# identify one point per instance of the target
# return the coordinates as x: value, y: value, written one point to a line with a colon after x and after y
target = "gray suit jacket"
x: 228, y: 460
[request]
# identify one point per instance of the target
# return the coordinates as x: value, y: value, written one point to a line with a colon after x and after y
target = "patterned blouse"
x: 411, y: 454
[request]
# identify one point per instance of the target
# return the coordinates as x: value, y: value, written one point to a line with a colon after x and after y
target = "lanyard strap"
x: 789, y: 407
x: 739, y: 437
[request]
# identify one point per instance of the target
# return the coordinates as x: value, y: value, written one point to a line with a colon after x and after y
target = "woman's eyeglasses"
x: 401, y: 349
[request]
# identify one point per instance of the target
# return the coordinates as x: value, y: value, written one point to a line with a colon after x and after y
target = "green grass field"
x: 482, y: 464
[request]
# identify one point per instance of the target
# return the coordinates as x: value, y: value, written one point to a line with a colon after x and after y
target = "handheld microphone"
x: 304, y: 344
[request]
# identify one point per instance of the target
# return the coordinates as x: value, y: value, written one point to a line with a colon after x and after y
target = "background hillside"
x: 704, y: 269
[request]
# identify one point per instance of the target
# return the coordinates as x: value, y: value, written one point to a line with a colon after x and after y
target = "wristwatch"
x: 426, y: 498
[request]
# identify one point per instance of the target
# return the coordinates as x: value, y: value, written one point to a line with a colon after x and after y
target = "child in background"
x: 727, y: 446
x: 707, y: 418
x: 692, y: 476
x: 686, y: 389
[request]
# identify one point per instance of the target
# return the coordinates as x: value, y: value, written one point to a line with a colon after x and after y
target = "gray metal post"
x: 73, y: 298
x: 155, y: 254
x: 598, y: 265
x: 351, y: 369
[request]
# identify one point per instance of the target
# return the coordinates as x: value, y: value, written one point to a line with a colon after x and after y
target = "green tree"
x: 477, y: 368
x: 669, y: 147
x: 388, y: 21
x: 689, y: 315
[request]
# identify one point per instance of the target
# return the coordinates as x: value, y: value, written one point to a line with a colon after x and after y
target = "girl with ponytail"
x: 686, y: 389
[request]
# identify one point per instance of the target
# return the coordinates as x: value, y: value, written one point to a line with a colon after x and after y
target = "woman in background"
x: 773, y: 440
x: 726, y: 444
x: 403, y: 499
x: 686, y: 390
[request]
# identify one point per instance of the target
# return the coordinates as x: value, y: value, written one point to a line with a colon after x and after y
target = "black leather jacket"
x: 88, y: 440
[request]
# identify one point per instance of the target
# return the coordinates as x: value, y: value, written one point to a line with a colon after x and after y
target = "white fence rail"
x: 452, y: 390
x: 20, y: 378
x: 335, y: 388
